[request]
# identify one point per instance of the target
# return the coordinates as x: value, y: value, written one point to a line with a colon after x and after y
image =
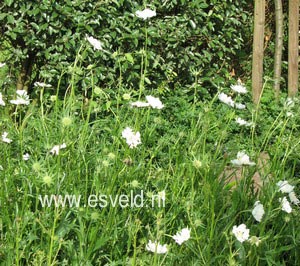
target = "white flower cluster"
x: 132, y: 139
x: 56, y: 149
x: 242, y: 159
x: 22, y: 98
x: 285, y: 187
x: 180, y: 237
x: 145, y: 14
x: 153, y: 102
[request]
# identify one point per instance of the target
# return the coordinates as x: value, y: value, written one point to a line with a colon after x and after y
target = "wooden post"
x: 278, y: 47
x: 258, y: 50
x: 293, y: 47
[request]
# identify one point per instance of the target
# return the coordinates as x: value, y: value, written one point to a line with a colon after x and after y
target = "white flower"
x: 132, y: 139
x: 26, y: 157
x: 5, y: 138
x: 139, y: 104
x: 242, y: 159
x: 258, y: 211
x: 2, y: 64
x: 95, y: 43
x: 155, y: 247
x: 22, y: 98
x: 239, y: 106
x: 284, y: 186
x: 285, y: 205
x: 238, y: 88
x: 55, y: 150
x: 226, y: 99
x: 293, y: 198
x: 242, y: 122
x: 182, y: 236
x: 289, y: 114
x: 145, y: 14
x: 42, y: 84
x: 241, y: 232
x: 154, y: 102
x: 1, y: 100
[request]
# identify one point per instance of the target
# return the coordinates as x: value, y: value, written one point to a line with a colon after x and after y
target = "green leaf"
x: 129, y: 58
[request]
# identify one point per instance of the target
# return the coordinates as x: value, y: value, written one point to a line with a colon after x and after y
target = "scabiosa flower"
x: 47, y: 179
x: 197, y: 164
x: 182, y: 236
x: 95, y: 43
x: 145, y: 14
x: 55, y: 150
x: 258, y: 211
x: 226, y: 99
x: 242, y: 159
x: 42, y: 84
x: 66, y: 121
x: 132, y: 139
x: 293, y: 198
x: 239, y: 106
x: 126, y: 96
x: 139, y: 104
x: 26, y: 156
x: 22, y: 98
x: 5, y: 138
x: 284, y: 186
x: 156, y: 247
x: 239, y: 88
x: 242, y: 122
x: 241, y: 232
x: 1, y: 100
x: 285, y: 205
x: 154, y: 102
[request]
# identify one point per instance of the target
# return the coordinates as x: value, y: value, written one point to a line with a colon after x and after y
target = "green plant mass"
x: 128, y: 136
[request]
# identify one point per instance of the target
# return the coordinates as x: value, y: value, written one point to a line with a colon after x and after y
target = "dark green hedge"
x: 187, y: 40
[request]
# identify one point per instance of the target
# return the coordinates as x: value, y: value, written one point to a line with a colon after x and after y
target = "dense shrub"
x: 186, y: 39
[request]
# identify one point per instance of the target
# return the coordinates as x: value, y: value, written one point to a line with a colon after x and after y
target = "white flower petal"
x: 156, y: 247
x: 5, y: 138
x: 285, y: 205
x: 139, y: 104
x: 154, y: 102
x: 284, y: 186
x: 293, y: 198
x: 182, y: 236
x: 241, y: 232
x: 226, y: 99
x: 145, y: 14
x: 242, y: 159
x: 258, y: 211
x: 239, y: 88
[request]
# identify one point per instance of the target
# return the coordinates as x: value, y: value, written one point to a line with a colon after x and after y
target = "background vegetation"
x: 186, y: 55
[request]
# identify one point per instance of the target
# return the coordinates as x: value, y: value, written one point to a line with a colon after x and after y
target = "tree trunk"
x: 258, y: 50
x: 25, y: 73
x: 278, y: 47
x: 293, y: 47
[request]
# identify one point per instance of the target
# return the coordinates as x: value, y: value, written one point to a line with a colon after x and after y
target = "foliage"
x: 186, y: 37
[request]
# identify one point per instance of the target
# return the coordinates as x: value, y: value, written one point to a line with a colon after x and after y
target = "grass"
x: 186, y: 148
